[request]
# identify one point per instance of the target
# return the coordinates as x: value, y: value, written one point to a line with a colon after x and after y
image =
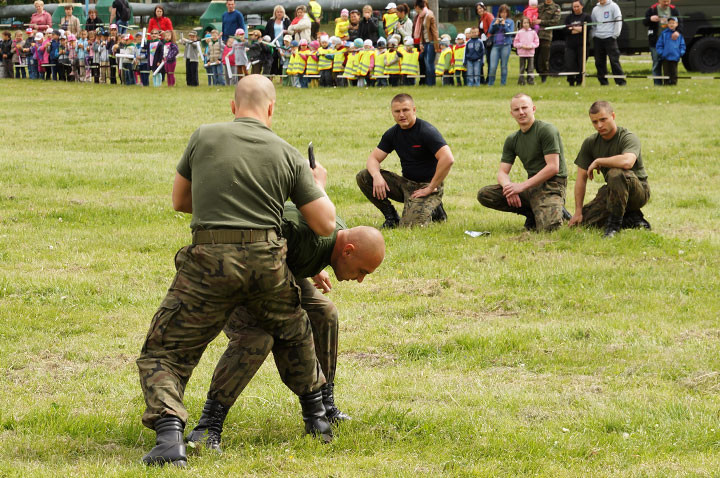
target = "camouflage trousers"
x: 416, y: 211
x: 249, y: 346
x: 544, y: 201
x: 624, y: 192
x: 212, y: 280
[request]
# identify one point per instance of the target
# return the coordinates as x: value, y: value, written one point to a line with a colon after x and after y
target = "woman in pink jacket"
x: 525, y: 43
x: 40, y: 20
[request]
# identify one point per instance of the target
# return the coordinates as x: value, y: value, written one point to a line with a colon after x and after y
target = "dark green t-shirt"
x: 308, y: 253
x: 242, y: 173
x: 532, y: 146
x: 623, y: 142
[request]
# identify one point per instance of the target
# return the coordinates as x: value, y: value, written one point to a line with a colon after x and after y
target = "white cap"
x: 324, y: 38
x: 367, y: 42
x: 445, y: 36
x: 532, y: 3
x: 38, y: 36
x: 460, y: 36
x: 467, y: 31
x: 390, y: 5
x: 408, y: 41
x: 287, y: 38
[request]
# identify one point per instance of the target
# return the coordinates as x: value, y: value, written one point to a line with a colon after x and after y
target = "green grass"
x: 555, y: 354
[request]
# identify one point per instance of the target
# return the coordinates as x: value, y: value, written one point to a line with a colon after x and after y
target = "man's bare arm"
x: 380, y: 187
x: 182, y: 194
x: 580, y: 187
x: 622, y: 161
x: 445, y: 161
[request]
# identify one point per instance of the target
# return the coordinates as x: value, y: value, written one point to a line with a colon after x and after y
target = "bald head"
x: 254, y: 98
x: 358, y: 252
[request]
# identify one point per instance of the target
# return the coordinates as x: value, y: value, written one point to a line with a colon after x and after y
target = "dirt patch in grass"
x: 371, y: 359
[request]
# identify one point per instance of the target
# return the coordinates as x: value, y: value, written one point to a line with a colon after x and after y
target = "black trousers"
x: 574, y: 62
x: 326, y: 79
x: 191, y: 72
x: 670, y: 68
x: 604, y: 48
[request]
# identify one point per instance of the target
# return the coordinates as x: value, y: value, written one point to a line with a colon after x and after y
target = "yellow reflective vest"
x: 459, y: 58
x: 294, y: 64
x: 365, y: 58
x: 352, y: 65
x: 324, y: 63
x: 380, y: 63
x: 316, y: 9
x: 444, y: 64
x: 338, y: 63
x: 410, y: 64
x: 394, y: 68
x: 390, y: 20
x: 312, y: 65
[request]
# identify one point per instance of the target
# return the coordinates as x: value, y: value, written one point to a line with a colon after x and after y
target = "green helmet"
x: 358, y: 43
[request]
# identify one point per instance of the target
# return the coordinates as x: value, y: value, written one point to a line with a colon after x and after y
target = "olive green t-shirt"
x: 308, y: 253
x: 623, y: 142
x: 242, y: 173
x: 532, y: 146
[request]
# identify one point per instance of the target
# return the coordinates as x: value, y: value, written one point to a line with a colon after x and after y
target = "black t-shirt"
x: 416, y: 148
x: 575, y: 41
x: 122, y: 9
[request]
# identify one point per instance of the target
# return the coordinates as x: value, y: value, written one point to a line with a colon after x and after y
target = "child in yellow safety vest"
x: 301, y: 62
x: 459, y: 60
x: 342, y: 24
x: 444, y: 65
x: 325, y: 62
x: 409, y: 62
x: 338, y: 63
x: 294, y: 65
x: 353, y: 61
x: 366, y: 64
x: 379, y: 74
x: 311, y: 70
x: 392, y: 62
x: 390, y: 19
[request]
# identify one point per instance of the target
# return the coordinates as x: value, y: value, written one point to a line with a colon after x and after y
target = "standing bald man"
x: 234, y: 178
x: 352, y: 253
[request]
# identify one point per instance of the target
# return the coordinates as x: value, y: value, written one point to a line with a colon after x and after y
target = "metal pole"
x: 584, y: 55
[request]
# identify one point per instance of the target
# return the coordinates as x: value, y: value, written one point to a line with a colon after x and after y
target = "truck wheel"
x: 557, y: 56
x: 705, y: 55
x: 686, y: 61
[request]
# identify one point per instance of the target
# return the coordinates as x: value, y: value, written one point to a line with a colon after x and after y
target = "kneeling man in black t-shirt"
x: 425, y: 159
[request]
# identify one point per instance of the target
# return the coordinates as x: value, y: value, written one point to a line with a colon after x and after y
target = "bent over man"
x: 234, y: 178
x: 615, y: 152
x: 425, y: 159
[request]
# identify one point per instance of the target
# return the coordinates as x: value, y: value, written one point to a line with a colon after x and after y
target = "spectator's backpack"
x: 123, y: 11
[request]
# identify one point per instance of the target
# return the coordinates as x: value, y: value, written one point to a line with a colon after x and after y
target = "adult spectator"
x: 314, y: 11
x: 277, y: 27
x: 70, y: 23
x: 541, y: 197
x: 160, y: 21
x: 92, y: 22
x: 301, y: 27
x: 485, y: 20
x: 120, y: 15
x: 40, y: 20
x: 656, y: 18
x: 426, y: 35
x: 425, y: 159
x: 548, y: 16
x: 404, y: 26
x: 608, y: 17
x: 574, y: 60
x: 352, y: 253
x: 501, y: 45
x: 231, y: 21
x: 354, y: 27
x: 368, y: 29
x: 615, y: 152
x: 234, y: 178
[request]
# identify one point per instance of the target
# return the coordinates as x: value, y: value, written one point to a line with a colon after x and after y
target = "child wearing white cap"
x: 390, y: 19
x: 459, y: 68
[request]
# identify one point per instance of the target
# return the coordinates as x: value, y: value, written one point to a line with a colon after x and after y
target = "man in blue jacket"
x: 656, y: 19
x: 231, y: 21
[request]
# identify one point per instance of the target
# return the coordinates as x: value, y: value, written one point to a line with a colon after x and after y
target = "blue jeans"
x: 474, y: 72
x: 499, y: 53
x: 217, y: 74
x: 122, y: 26
x: 33, y: 69
x: 428, y: 56
x: 303, y: 81
x: 129, y: 76
x: 657, y: 66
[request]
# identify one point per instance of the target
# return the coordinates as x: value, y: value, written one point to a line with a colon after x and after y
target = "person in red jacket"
x: 160, y: 21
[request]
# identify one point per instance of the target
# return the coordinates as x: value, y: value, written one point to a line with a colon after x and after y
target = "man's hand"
x: 655, y: 18
x: 512, y: 189
x: 514, y: 200
x: 380, y: 187
x: 322, y: 282
x: 576, y: 219
x: 422, y: 192
x: 675, y: 35
x: 593, y: 166
x: 320, y: 175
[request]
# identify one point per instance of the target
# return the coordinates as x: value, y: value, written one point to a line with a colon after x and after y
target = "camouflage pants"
x: 623, y: 192
x: 545, y: 202
x: 250, y: 345
x: 211, y: 281
x: 416, y: 211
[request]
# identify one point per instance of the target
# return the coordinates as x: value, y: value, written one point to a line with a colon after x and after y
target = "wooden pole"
x: 584, y: 55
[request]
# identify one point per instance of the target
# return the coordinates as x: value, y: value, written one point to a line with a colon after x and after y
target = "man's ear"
x: 348, y: 249
x: 232, y: 106
x: 271, y: 109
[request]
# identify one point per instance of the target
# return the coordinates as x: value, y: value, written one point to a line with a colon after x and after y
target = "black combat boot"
x: 635, y: 220
x: 169, y: 444
x: 391, y: 216
x: 613, y: 226
x: 210, y: 425
x: 313, y: 413
x: 530, y: 222
x: 439, y: 214
x: 331, y: 411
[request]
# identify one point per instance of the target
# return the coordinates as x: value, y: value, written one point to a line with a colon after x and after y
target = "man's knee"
x: 616, y: 178
x: 363, y: 178
x: 418, y: 211
x: 325, y: 316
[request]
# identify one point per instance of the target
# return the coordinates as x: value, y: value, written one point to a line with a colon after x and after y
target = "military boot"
x: 391, y: 216
x: 635, y: 220
x: 331, y: 411
x: 612, y: 227
x: 439, y: 214
x: 313, y: 413
x: 169, y: 444
x: 210, y: 426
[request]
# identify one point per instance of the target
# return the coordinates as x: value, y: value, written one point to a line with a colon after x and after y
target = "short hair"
x: 521, y: 95
x: 599, y: 106
x: 401, y: 98
x: 68, y: 7
x: 39, y: 2
x: 504, y: 8
x: 300, y: 7
x: 366, y: 8
x: 7, y: 34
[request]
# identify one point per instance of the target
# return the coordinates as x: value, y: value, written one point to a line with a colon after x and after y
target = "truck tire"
x: 557, y: 56
x: 705, y: 55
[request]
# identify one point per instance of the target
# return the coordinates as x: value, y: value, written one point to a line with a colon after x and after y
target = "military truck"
x: 700, y: 25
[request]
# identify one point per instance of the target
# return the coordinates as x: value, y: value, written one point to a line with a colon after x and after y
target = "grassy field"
x: 517, y: 353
